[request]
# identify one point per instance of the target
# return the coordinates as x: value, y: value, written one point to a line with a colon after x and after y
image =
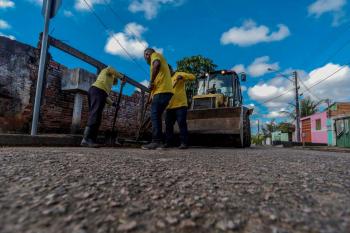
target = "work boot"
x: 151, y: 146
x: 87, y: 141
x: 164, y: 146
x: 183, y: 146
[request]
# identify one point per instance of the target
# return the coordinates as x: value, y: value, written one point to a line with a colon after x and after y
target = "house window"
x: 318, y: 124
x: 339, y: 127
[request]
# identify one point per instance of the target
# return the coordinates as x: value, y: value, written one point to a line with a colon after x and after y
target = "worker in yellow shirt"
x: 97, y: 98
x: 161, y: 93
x: 177, y: 109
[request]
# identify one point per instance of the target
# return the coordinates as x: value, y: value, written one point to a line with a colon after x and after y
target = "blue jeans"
x: 178, y: 115
x: 159, y: 104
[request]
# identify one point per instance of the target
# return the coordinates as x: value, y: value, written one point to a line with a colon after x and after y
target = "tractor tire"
x: 247, y: 133
x: 236, y: 141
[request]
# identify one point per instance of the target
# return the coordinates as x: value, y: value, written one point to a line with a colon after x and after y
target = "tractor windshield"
x: 216, y: 84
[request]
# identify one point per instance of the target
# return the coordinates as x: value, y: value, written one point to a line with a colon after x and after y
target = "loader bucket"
x: 219, y: 127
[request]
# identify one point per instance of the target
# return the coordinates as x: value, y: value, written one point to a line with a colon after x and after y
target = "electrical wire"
x: 308, y: 90
x: 112, y: 35
x: 278, y: 96
x: 329, y: 76
x: 312, y: 86
x: 124, y: 22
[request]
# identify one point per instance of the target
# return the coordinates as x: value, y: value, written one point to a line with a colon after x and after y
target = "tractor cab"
x: 217, y: 90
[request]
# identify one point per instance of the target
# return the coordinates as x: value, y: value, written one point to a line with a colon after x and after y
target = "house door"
x: 306, y: 130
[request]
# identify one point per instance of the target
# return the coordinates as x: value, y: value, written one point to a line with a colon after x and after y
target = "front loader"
x: 217, y: 115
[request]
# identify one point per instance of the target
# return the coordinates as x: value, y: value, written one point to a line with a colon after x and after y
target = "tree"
x: 269, y: 128
x: 195, y: 65
x: 286, y: 127
x: 307, y: 107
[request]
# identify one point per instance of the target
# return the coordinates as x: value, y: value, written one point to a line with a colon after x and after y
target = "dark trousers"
x: 97, y: 101
x: 159, y: 104
x: 178, y: 115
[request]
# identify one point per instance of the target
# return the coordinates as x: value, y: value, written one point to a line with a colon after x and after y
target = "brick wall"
x: 18, y: 74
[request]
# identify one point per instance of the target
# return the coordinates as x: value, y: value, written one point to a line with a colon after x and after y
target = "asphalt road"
x: 80, y: 190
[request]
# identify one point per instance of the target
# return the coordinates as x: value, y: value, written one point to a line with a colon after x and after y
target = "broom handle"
x: 118, y: 103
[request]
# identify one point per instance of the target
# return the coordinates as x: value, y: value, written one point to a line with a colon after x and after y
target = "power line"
x: 112, y: 35
x: 329, y: 76
x: 313, y: 85
x: 308, y: 90
x: 124, y: 22
x: 332, y: 42
x: 278, y: 96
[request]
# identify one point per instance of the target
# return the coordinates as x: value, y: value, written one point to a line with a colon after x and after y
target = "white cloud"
x: 68, y: 13
x: 250, y: 33
x: 275, y: 114
x: 4, y: 24
x: 320, y: 7
x: 6, y: 4
x: 265, y: 91
x: 145, y: 83
x: 134, y: 29
x: 80, y: 5
x: 334, y: 7
x: 336, y: 88
x: 258, y: 67
x: 151, y: 7
x: 8, y: 36
x: 239, y: 68
x: 133, y: 46
x: 131, y: 39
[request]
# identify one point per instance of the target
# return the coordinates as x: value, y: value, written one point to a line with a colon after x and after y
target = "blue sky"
x: 310, y: 36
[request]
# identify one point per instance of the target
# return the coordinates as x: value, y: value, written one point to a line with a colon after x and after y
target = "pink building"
x: 314, y: 128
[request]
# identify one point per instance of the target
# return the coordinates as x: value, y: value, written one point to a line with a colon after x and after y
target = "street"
x: 108, y: 190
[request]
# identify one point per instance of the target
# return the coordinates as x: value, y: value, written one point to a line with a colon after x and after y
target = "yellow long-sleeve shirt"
x: 106, y: 79
x: 179, y: 98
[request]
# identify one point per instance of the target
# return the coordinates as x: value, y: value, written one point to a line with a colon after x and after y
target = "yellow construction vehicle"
x: 216, y: 114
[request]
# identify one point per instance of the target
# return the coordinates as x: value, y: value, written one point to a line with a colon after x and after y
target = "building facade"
x: 314, y: 128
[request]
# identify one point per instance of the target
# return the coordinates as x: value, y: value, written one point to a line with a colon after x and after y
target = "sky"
x: 311, y: 37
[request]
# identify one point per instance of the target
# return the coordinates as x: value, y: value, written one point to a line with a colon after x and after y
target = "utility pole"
x: 50, y: 8
x: 297, y: 109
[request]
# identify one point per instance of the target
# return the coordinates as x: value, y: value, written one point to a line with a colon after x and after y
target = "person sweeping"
x: 97, y: 99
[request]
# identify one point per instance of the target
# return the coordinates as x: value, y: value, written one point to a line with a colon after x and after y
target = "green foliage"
x: 258, y: 139
x: 307, y: 107
x: 284, y: 127
x: 269, y: 128
x: 195, y: 65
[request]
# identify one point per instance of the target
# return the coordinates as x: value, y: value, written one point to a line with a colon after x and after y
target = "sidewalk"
x: 40, y: 140
x: 324, y: 148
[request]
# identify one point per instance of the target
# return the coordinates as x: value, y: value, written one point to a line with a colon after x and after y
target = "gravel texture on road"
x: 78, y: 190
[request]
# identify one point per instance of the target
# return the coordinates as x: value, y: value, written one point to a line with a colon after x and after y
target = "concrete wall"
x: 18, y: 74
